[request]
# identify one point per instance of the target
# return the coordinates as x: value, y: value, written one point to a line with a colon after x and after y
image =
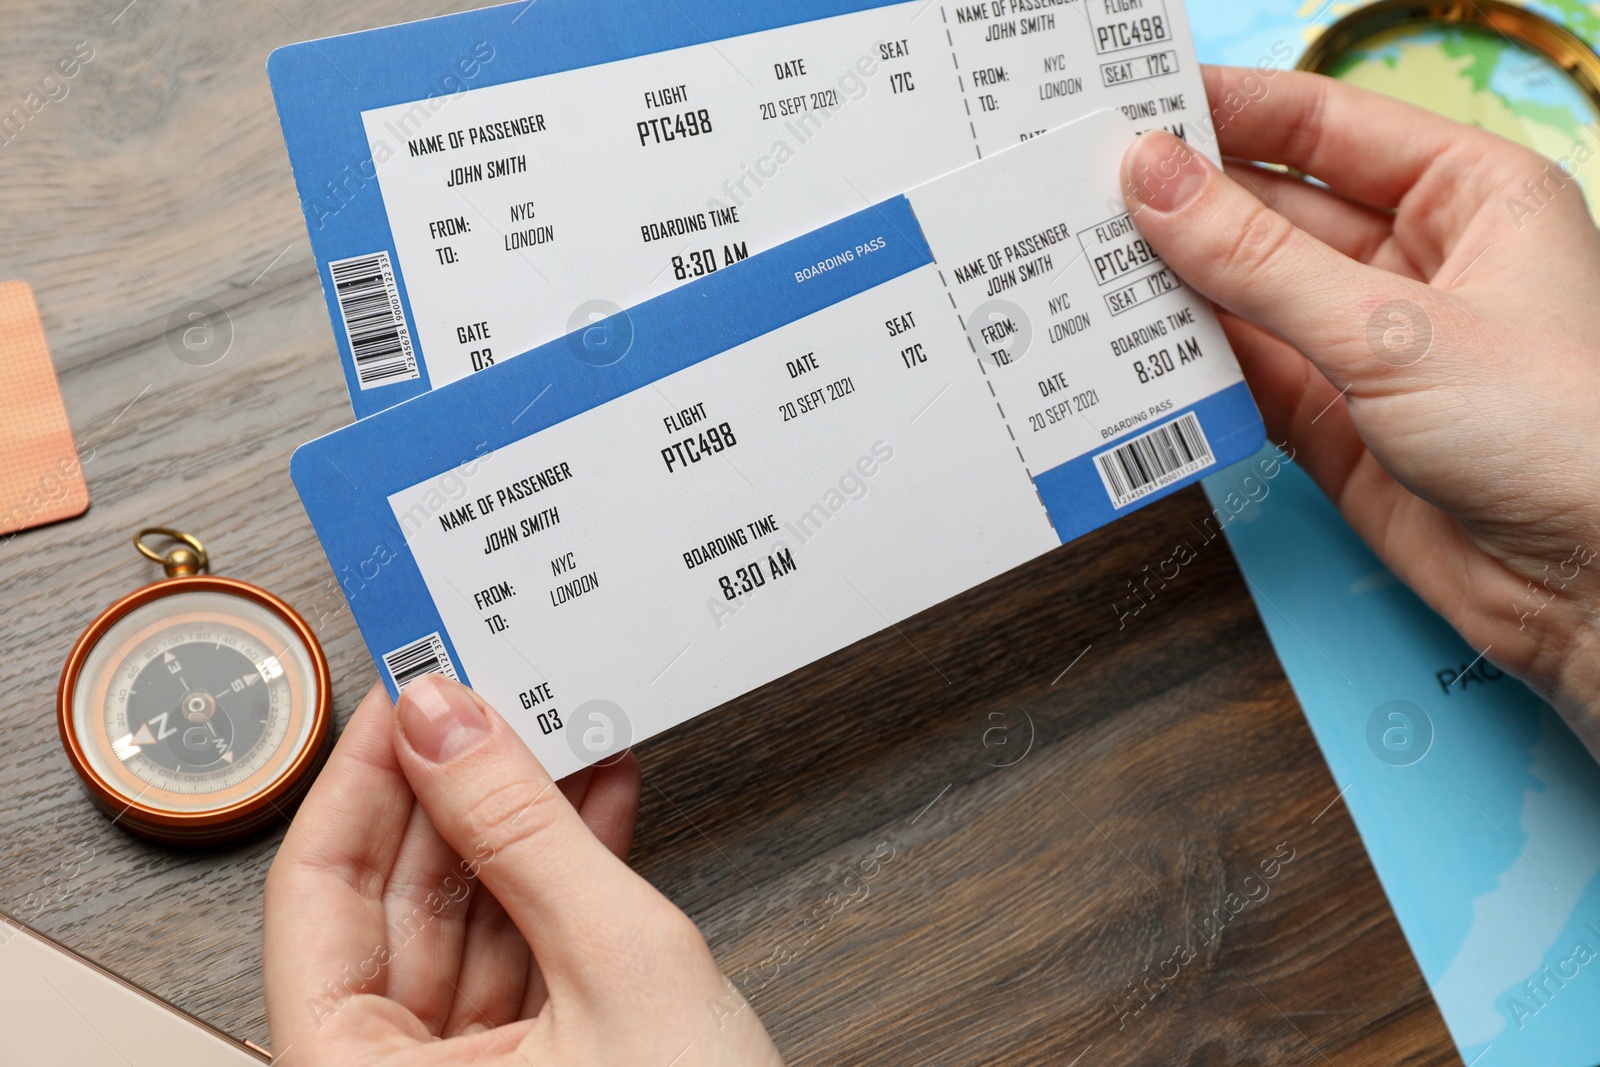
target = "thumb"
x: 1251, y: 260
x: 493, y: 802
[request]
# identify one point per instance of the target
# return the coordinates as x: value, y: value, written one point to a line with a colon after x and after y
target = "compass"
x: 196, y: 710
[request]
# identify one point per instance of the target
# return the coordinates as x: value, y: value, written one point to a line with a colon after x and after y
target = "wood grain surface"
x: 1037, y: 846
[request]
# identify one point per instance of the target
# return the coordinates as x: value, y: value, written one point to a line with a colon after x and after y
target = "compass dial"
x: 195, y: 702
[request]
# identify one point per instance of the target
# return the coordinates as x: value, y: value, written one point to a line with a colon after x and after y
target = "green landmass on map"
x: 1579, y: 16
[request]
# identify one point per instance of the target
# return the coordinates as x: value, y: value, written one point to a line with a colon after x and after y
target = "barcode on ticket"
x: 409, y: 662
x: 375, y: 325
x: 1154, y: 460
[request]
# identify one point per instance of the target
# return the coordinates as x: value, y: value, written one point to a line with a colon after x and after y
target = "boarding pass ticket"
x: 640, y: 521
x: 478, y: 184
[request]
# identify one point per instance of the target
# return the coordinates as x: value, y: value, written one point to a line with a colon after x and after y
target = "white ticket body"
x: 641, y: 521
x: 479, y: 184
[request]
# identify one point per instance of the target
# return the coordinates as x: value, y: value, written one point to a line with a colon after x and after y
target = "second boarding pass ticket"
x: 478, y: 184
x: 676, y: 504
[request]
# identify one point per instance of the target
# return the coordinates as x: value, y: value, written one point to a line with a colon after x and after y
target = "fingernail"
x: 440, y: 719
x: 1163, y: 173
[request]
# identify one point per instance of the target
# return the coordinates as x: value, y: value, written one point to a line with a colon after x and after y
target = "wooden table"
x: 1066, y: 803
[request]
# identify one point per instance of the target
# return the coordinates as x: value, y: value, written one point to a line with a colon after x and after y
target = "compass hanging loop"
x: 186, y: 558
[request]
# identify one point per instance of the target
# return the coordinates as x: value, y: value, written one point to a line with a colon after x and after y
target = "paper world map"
x: 1487, y: 838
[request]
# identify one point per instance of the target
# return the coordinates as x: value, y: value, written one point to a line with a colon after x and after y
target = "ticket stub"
x: 640, y: 521
x: 479, y: 184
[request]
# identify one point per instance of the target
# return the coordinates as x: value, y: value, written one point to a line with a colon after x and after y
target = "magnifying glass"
x: 1497, y: 65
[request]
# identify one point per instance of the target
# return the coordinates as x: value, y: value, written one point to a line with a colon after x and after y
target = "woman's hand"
x: 439, y: 900
x: 1426, y: 336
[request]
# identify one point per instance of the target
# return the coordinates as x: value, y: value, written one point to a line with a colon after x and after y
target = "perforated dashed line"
x: 961, y: 82
x: 984, y: 370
